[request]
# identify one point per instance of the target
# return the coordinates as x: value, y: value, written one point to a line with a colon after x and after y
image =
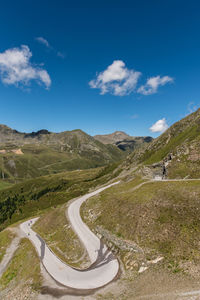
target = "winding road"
x: 104, y: 266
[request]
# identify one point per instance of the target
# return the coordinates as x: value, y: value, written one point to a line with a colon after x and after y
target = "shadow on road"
x: 42, y: 247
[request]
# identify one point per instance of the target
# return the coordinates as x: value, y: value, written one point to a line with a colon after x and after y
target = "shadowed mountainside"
x: 123, y: 141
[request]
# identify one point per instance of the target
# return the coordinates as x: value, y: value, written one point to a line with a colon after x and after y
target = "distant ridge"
x: 123, y: 141
x: 45, y: 152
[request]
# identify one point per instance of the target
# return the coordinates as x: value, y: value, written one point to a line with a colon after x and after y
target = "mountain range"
x: 28, y: 155
x: 151, y: 225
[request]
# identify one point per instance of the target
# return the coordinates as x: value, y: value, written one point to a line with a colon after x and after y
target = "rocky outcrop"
x: 114, y: 243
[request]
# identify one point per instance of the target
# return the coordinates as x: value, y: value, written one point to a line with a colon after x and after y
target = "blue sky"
x: 91, y: 62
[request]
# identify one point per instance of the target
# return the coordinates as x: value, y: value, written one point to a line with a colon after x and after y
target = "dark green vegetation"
x: 182, y: 141
x: 162, y: 218
x: 26, y: 156
x: 32, y: 196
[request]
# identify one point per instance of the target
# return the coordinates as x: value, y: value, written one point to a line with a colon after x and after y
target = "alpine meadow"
x: 99, y: 150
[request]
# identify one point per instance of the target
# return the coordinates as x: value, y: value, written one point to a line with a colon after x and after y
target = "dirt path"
x: 11, y: 250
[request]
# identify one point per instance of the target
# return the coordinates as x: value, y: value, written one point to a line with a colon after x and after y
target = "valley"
x: 99, y: 150
x: 149, y: 225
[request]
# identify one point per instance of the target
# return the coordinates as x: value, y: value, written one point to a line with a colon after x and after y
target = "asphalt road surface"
x: 104, y: 266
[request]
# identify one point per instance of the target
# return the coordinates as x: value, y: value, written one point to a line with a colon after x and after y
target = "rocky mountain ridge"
x: 181, y: 142
x: 124, y: 141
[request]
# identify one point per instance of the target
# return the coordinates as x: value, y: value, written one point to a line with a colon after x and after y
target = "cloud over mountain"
x: 159, y: 126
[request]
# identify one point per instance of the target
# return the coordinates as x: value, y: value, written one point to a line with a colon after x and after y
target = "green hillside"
x: 32, y: 196
x: 181, y: 141
x: 25, y: 156
x: 148, y: 225
x: 161, y: 218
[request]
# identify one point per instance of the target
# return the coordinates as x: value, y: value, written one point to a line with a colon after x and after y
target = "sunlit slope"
x: 181, y: 141
x: 159, y: 218
x: 24, y: 156
x: 32, y: 196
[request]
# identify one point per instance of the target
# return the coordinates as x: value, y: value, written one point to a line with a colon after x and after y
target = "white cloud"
x: 43, y: 41
x: 153, y: 83
x: 159, y: 126
x: 16, y: 68
x: 116, y: 79
x: 119, y: 81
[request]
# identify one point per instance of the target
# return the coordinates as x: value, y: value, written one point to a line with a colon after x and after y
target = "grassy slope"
x: 54, y: 227
x: 32, y: 196
x: 19, y: 274
x: 184, y: 167
x: 4, y: 184
x: 72, y: 151
x: 161, y: 217
x: 44, y: 196
x: 6, y: 237
x: 162, y: 148
x: 182, y: 140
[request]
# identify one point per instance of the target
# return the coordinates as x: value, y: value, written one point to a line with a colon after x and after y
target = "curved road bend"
x: 104, y: 266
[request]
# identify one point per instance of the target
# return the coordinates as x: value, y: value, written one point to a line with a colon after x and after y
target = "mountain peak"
x: 5, y: 129
x: 112, y: 138
x: 119, y: 132
x: 2, y: 126
x: 123, y: 141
